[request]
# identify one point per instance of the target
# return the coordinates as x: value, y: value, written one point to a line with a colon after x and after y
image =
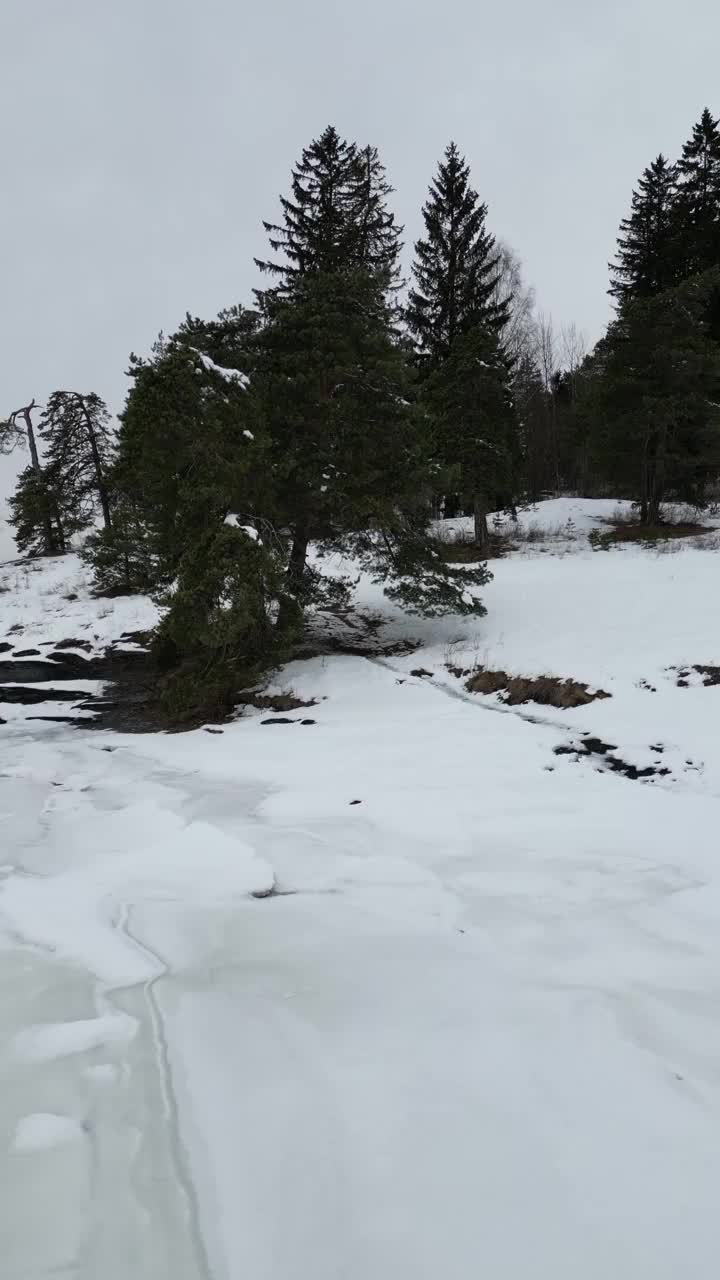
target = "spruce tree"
x: 379, y: 238
x: 698, y: 198
x: 657, y: 398
x: 349, y: 451
x: 337, y: 217
x: 646, y: 257
x: 79, y: 441
x: 456, y: 268
x: 476, y: 430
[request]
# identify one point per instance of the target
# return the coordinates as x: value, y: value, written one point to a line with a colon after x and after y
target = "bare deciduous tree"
x: 573, y: 350
x: 511, y: 291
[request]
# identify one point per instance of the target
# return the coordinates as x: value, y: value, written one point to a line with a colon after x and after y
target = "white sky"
x: 144, y: 140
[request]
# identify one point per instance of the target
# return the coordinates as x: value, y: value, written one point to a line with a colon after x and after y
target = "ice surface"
x: 467, y: 1026
x: 44, y: 1129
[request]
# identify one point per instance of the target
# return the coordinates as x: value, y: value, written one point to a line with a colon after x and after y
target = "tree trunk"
x: 482, y: 537
x: 48, y: 535
x: 61, y: 545
x: 99, y: 474
x: 290, y: 610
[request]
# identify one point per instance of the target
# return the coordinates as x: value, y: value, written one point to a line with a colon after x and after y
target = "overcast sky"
x: 144, y: 140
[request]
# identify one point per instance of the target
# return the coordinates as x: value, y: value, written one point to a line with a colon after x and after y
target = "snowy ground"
x: 473, y: 1032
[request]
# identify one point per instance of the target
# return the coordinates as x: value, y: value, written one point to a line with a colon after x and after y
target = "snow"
x: 228, y: 375
x: 44, y: 1129
x: 50, y: 600
x: 250, y: 530
x: 55, y: 1040
x: 473, y: 1029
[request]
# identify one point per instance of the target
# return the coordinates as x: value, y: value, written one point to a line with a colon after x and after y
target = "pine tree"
x: 41, y: 520
x: 698, y: 198
x: 79, y: 440
x: 457, y: 266
x: 337, y: 217
x: 33, y: 491
x: 646, y: 258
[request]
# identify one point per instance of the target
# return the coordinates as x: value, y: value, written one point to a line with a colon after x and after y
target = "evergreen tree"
x: 183, y: 451
x: 476, y: 428
x: 229, y: 340
x: 123, y: 557
x: 218, y: 635
x: 698, y: 198
x: 79, y: 440
x: 379, y: 238
x: 534, y: 429
x: 646, y: 257
x: 657, y: 401
x: 349, y: 451
x: 457, y: 266
x: 336, y: 218
x: 33, y: 497
x: 41, y: 519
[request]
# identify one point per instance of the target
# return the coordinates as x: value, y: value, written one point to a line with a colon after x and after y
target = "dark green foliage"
x: 218, y: 634
x: 122, y: 557
x: 456, y: 266
x: 337, y: 217
x: 698, y: 199
x: 229, y: 340
x: 405, y: 559
x: 535, y: 440
x: 379, y: 238
x: 657, y: 397
x: 350, y: 452
x: 188, y: 439
x: 476, y: 430
x: 41, y: 523
x: 647, y: 252
x: 78, y: 452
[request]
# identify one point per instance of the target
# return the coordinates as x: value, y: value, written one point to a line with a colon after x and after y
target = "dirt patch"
x: 85, y: 645
x: 709, y: 675
x: 128, y: 704
x: 141, y: 638
x: 625, y: 531
x: 604, y: 753
x: 273, y: 701
x: 548, y: 691
x: 464, y: 551
x: 29, y: 696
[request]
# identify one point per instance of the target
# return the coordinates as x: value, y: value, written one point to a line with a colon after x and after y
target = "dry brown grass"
x: 547, y: 691
x: 272, y: 701
x: 619, y: 531
x: 464, y: 550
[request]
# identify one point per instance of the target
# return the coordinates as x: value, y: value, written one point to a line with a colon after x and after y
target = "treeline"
x: 343, y: 411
